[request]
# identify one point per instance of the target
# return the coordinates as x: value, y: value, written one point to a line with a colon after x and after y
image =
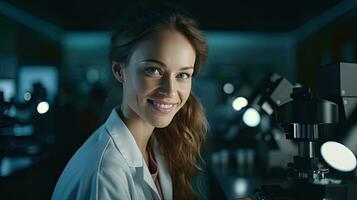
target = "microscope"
x: 301, y: 119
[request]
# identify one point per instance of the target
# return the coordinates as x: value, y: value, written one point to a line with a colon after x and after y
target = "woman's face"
x: 157, y: 78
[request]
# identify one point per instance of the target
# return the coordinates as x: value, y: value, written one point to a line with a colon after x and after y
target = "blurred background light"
x: 240, y: 186
x: 228, y: 88
x: 239, y: 103
x: 27, y: 96
x: 251, y: 117
x: 92, y: 75
x: 42, y: 107
x: 338, y: 156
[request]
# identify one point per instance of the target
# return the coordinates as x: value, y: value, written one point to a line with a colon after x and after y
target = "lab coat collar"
x: 124, y: 140
x: 126, y: 144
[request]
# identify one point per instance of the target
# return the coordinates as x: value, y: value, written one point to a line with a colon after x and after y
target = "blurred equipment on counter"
x: 7, y: 86
x: 255, y: 113
x: 253, y: 143
x: 254, y: 128
x: 271, y: 94
x: 25, y: 130
x: 47, y: 76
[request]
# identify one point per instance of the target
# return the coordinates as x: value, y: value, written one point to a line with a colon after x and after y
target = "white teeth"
x: 163, y: 106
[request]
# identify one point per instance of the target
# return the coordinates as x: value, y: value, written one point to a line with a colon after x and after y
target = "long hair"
x: 181, y: 141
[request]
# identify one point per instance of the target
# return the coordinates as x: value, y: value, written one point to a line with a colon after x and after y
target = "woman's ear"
x: 117, y: 69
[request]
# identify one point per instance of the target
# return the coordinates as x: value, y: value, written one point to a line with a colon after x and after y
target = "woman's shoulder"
x: 101, y: 150
x: 112, y: 157
x: 96, y: 153
x: 96, y: 166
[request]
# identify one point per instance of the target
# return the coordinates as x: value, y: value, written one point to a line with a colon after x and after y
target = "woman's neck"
x: 140, y: 130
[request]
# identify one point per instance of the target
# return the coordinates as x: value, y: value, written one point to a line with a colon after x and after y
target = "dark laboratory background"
x: 56, y: 88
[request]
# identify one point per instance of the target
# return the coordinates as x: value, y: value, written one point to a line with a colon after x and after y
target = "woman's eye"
x: 184, y: 75
x: 152, y: 71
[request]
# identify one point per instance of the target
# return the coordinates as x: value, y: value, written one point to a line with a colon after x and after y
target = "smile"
x: 161, y: 106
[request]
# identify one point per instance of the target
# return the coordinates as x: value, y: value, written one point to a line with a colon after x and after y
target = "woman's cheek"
x: 144, y: 86
x: 186, y: 89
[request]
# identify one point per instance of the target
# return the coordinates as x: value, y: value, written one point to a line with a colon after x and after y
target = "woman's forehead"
x: 169, y: 47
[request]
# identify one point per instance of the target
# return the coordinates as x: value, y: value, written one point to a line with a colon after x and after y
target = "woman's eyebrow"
x: 164, y: 65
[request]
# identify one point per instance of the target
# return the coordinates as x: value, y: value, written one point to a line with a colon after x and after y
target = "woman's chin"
x: 161, y: 123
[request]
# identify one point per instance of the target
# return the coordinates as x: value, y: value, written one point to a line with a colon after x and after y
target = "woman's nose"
x: 168, y: 87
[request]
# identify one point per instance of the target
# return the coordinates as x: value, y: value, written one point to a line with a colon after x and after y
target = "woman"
x: 147, y: 148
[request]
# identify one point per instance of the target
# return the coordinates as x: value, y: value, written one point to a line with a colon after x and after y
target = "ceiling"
x: 238, y: 15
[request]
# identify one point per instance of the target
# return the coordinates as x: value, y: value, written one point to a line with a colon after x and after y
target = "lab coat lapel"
x: 150, y: 182
x: 124, y: 140
x: 129, y: 149
x: 164, y: 175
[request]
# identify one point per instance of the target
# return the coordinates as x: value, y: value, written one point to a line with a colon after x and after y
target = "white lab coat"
x: 110, y: 166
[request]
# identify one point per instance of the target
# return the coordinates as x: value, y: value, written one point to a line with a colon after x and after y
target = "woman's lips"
x: 162, y: 106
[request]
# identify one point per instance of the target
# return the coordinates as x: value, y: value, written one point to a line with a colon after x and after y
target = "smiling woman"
x: 156, y: 79
x: 149, y: 146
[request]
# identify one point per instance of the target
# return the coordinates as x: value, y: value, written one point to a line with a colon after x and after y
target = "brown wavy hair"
x: 181, y: 141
